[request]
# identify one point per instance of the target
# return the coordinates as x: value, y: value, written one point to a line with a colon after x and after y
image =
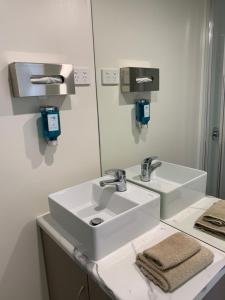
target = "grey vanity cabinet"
x: 95, y: 292
x: 66, y: 281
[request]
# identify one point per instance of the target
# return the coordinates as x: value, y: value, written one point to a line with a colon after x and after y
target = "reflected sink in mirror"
x: 100, y: 219
x: 179, y: 186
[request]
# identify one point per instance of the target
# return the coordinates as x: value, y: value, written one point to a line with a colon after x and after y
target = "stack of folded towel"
x: 174, y: 261
x: 213, y: 219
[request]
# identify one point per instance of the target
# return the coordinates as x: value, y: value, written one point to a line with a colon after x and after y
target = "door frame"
x: 204, y: 109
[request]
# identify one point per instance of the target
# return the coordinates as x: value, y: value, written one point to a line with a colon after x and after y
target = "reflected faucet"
x: 147, y: 167
x: 119, y: 179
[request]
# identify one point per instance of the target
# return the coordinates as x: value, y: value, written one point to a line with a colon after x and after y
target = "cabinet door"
x: 66, y: 281
x: 95, y: 292
x: 217, y: 292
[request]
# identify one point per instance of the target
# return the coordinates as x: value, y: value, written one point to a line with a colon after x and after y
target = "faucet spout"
x: 147, y: 167
x: 119, y: 180
x: 108, y: 182
x: 155, y: 166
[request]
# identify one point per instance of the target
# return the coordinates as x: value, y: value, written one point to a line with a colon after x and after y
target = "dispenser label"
x: 53, y: 124
x: 146, y: 111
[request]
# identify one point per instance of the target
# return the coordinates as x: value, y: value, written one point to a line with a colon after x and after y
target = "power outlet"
x: 82, y: 76
x: 76, y: 77
x: 110, y: 76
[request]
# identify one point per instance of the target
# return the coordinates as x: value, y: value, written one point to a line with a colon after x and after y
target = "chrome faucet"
x: 147, y: 167
x: 119, y: 179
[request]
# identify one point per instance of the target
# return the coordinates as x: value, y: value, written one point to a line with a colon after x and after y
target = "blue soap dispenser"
x: 142, y: 112
x: 50, y: 124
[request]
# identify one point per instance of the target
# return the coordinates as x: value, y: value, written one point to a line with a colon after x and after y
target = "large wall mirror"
x: 185, y: 40
x: 168, y: 35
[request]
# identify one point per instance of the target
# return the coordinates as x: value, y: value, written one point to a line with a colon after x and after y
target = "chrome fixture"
x: 215, y: 134
x: 41, y: 79
x: 119, y: 179
x: 96, y: 221
x: 147, y: 167
x: 135, y: 79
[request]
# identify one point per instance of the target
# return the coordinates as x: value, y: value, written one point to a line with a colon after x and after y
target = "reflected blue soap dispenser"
x: 140, y: 80
x: 50, y: 124
x: 142, y: 112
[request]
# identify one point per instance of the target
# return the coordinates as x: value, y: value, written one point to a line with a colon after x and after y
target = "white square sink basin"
x: 178, y: 186
x: 125, y: 215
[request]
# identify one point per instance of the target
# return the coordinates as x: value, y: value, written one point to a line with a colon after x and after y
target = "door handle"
x: 215, y: 133
x: 82, y: 288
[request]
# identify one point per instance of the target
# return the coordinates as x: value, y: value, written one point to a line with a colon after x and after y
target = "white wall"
x: 40, y: 31
x: 157, y: 33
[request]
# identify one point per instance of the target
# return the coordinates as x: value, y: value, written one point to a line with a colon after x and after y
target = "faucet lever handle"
x: 117, y: 173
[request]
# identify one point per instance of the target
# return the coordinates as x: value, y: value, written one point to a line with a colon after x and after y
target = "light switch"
x: 110, y: 76
x: 82, y: 76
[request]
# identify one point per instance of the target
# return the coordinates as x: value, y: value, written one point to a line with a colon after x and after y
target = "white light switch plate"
x: 82, y: 76
x: 110, y: 76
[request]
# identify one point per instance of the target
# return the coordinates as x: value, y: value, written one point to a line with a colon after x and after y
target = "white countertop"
x: 119, y: 273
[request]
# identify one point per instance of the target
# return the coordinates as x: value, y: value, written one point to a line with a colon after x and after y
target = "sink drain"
x: 96, y: 221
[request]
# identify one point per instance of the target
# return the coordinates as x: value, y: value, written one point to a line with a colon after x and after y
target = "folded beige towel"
x: 172, y: 251
x: 213, y: 219
x: 209, y: 227
x: 172, y: 278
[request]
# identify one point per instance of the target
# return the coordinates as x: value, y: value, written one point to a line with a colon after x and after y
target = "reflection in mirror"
x: 205, y: 219
x: 167, y: 35
x: 185, y: 41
